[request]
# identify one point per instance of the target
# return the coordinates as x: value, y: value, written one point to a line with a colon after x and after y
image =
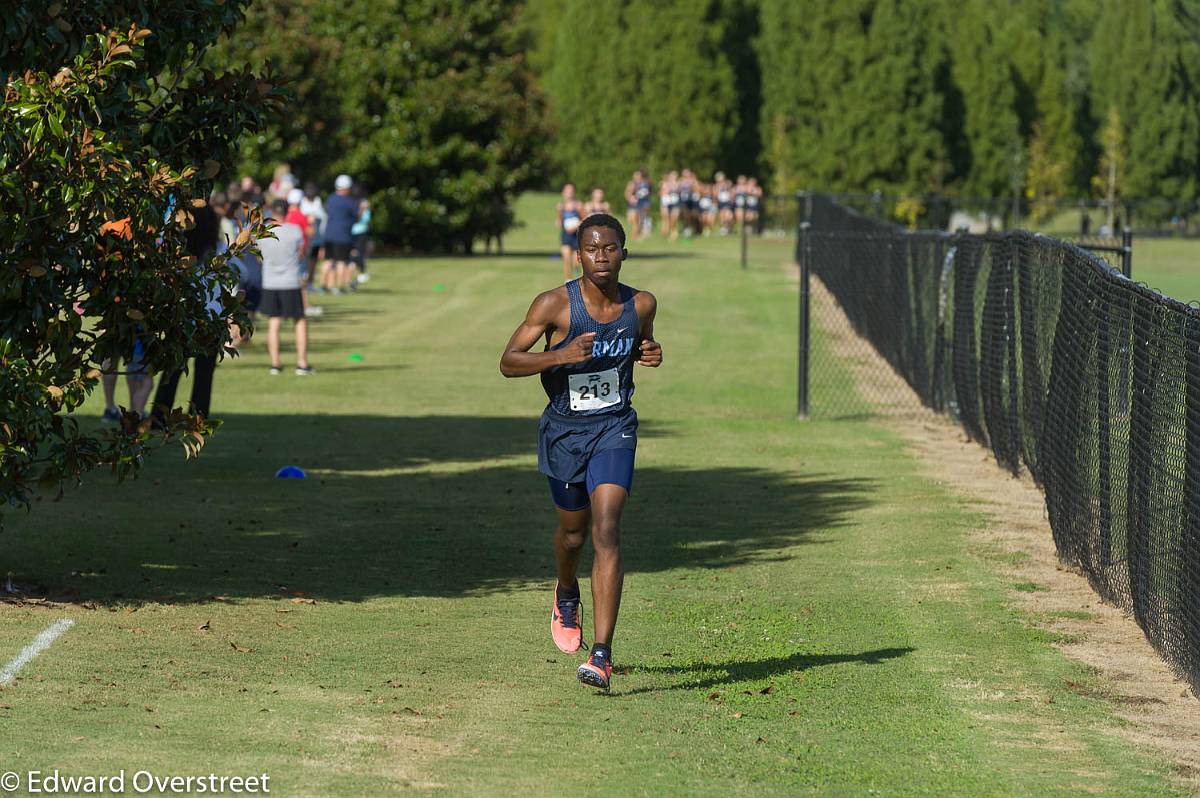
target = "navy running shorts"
x: 607, y: 467
x: 577, y: 453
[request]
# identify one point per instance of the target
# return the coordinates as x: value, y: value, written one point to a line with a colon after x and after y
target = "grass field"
x: 805, y: 613
x: 1169, y: 265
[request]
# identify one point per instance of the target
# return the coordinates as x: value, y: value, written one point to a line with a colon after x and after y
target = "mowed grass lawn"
x: 1168, y: 265
x: 805, y: 613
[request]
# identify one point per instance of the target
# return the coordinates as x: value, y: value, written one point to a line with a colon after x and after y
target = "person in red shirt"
x: 296, y: 216
x: 300, y: 219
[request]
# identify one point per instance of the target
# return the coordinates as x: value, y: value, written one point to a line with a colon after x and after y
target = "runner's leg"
x: 608, y: 572
x: 568, y: 544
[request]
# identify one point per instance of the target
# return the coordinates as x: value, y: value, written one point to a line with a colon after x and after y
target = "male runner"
x: 596, y: 329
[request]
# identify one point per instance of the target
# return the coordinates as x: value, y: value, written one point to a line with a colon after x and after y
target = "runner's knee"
x: 571, y: 536
x: 606, y: 534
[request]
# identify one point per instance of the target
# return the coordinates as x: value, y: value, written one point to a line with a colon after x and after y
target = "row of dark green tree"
x: 1045, y: 98
x: 447, y: 109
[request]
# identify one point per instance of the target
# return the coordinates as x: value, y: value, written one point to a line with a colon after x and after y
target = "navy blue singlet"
x: 602, y: 385
x: 569, y: 239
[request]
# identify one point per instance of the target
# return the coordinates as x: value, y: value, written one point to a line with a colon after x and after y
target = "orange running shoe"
x: 597, y: 671
x: 566, y: 623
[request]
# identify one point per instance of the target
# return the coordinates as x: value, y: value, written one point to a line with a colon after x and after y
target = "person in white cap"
x: 341, y: 210
x: 297, y: 216
x: 314, y: 209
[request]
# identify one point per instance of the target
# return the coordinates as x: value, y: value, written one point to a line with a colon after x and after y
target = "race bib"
x: 595, y: 391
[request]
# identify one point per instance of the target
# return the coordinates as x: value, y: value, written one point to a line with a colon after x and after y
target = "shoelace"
x: 567, y: 613
x: 568, y: 618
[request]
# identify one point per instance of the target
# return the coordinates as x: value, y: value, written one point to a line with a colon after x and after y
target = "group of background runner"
x: 687, y: 206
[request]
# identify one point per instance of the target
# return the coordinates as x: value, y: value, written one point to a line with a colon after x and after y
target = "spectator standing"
x: 296, y: 214
x: 251, y: 191
x: 282, y: 298
x: 281, y: 182
x: 341, y: 212
x: 136, y: 377
x: 248, y: 265
x: 202, y: 241
x: 361, y: 241
x: 314, y: 209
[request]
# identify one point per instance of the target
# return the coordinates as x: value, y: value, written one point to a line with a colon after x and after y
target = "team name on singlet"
x: 618, y: 347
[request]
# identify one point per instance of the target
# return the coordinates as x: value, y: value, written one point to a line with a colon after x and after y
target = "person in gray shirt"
x: 282, y: 269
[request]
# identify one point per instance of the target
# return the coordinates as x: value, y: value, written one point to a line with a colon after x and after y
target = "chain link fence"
x: 1048, y: 355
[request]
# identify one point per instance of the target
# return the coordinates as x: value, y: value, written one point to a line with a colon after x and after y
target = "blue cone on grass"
x: 291, y: 472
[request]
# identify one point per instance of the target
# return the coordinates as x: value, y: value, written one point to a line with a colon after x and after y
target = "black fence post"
x: 1127, y: 252
x: 802, y: 377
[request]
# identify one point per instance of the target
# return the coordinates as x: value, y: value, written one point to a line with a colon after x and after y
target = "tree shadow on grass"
x: 428, y: 506
x: 707, y: 675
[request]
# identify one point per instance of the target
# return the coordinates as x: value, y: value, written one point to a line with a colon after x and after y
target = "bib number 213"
x: 595, y: 391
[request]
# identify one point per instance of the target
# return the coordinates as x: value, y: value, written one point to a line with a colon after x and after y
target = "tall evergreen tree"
x: 988, y: 83
x: 1109, y: 182
x: 809, y: 54
x: 1164, y: 140
x: 537, y: 25
x: 855, y: 95
x: 1146, y: 63
x: 741, y: 153
x: 897, y: 101
x: 1046, y: 58
x: 585, y: 88
x: 659, y: 94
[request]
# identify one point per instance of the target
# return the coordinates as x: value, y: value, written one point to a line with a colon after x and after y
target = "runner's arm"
x: 518, y: 361
x: 649, y: 350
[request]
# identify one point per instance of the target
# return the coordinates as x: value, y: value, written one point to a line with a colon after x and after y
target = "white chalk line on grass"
x: 40, y: 643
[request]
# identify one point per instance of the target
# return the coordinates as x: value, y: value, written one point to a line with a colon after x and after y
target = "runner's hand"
x: 651, y: 354
x: 579, y: 350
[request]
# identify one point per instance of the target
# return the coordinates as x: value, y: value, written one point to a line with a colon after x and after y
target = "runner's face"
x: 601, y: 255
